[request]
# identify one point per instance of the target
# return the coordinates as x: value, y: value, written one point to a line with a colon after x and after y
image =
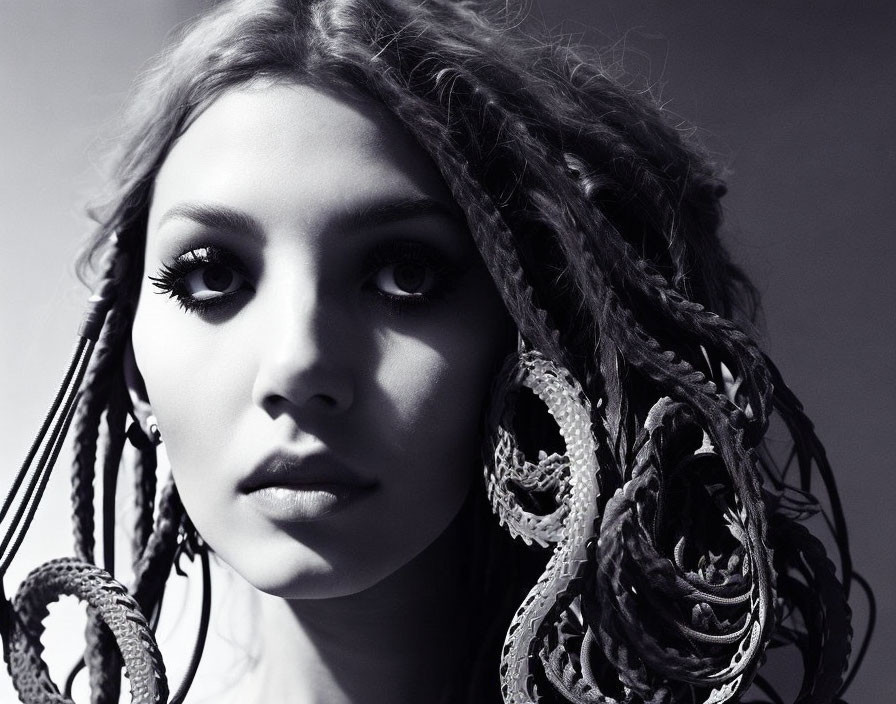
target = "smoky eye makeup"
x: 203, y: 278
x: 405, y: 274
x: 397, y: 273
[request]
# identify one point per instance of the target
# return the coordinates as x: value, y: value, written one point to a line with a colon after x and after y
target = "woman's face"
x: 317, y: 334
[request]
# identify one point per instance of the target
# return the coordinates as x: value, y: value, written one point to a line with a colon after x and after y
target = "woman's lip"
x: 282, y: 468
x: 300, y: 503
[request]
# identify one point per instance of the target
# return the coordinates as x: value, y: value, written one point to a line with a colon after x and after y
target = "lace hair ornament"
x: 665, y: 598
x: 510, y: 477
x: 684, y: 591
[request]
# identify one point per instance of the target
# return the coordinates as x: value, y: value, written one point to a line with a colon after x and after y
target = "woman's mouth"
x: 297, y: 488
x: 299, y: 504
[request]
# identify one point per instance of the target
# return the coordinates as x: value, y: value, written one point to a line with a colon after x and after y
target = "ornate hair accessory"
x: 550, y: 500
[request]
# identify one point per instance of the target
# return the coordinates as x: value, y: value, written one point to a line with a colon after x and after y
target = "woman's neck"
x: 395, y: 642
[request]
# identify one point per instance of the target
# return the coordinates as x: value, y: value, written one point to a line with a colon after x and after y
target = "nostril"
x: 325, y: 401
x: 321, y: 404
x: 298, y: 384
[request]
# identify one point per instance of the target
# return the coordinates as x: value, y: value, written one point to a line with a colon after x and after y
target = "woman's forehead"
x: 284, y: 149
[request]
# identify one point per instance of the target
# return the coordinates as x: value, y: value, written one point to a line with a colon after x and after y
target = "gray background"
x: 796, y: 98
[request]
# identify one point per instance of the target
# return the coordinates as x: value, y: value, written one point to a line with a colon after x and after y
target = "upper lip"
x: 290, y: 469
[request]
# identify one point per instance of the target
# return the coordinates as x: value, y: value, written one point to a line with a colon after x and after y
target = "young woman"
x: 351, y: 249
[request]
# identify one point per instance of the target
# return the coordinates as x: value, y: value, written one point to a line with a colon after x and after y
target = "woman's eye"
x: 211, y: 281
x: 407, y: 272
x: 202, y: 279
x: 405, y: 279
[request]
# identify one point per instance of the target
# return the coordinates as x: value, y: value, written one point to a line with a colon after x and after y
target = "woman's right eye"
x: 212, y: 281
x: 202, y: 278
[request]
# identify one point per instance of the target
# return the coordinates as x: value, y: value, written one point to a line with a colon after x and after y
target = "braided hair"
x: 599, y: 223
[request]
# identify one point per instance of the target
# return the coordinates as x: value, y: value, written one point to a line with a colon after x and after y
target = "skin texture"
x: 310, y: 357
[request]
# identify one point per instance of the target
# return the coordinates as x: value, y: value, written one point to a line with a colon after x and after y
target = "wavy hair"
x: 599, y: 222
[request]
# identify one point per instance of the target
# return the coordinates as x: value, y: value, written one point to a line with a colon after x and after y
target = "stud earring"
x: 145, y: 435
x: 152, y: 430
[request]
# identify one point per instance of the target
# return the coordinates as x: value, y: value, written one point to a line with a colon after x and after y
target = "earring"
x: 144, y: 435
x: 152, y: 430
x: 189, y: 544
x: 553, y: 499
x: 531, y: 496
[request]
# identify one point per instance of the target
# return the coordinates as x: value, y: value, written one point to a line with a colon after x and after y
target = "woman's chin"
x: 294, y: 579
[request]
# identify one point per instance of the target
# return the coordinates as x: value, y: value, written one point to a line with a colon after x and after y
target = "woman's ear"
x: 140, y: 407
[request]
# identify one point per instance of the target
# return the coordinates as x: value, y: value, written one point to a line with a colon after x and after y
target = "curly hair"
x: 599, y: 222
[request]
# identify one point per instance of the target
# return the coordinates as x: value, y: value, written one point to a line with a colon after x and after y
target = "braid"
x: 103, y: 660
x: 580, y: 259
x: 103, y: 397
x: 145, y: 492
x: 582, y: 254
x: 152, y: 568
x: 95, y: 395
x: 116, y: 419
x: 151, y: 571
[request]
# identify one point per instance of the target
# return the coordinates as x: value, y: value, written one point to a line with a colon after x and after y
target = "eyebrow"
x: 391, y: 211
x: 215, y: 217
x: 222, y: 217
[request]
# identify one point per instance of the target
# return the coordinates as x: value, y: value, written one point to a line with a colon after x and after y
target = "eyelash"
x: 445, y: 274
x: 171, y: 279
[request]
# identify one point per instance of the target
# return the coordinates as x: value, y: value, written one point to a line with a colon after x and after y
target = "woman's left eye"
x: 404, y: 279
x: 406, y: 272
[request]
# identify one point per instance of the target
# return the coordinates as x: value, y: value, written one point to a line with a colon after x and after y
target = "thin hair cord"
x: 856, y: 664
x: 34, y: 491
x: 204, y: 619
x: 73, y: 673
x: 767, y: 689
x: 810, y: 452
x: 156, y: 613
x: 48, y: 420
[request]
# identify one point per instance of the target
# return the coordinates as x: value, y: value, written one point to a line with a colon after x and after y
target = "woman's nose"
x: 302, y: 368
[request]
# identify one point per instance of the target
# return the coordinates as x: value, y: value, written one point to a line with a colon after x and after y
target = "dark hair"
x: 599, y: 223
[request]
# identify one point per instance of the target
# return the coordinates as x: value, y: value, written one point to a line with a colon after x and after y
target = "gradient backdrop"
x: 795, y: 97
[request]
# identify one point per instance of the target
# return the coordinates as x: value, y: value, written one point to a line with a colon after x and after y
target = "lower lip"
x: 311, y: 502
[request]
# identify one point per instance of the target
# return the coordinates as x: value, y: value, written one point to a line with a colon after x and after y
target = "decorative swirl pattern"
x: 110, y: 601
x: 671, y: 603
x: 678, y: 559
x: 571, y: 523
